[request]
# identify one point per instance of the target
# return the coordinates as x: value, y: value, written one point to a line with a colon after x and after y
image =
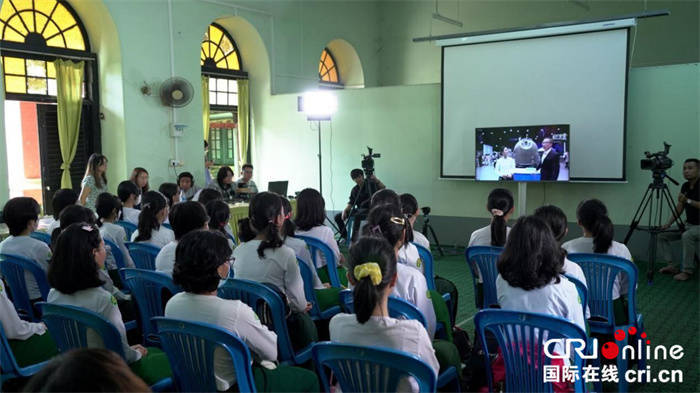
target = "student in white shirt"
x: 73, y: 274
x: 207, y: 195
x: 556, y: 220
x: 188, y: 190
x: 202, y: 259
x: 61, y: 199
x: 598, y: 232
x: 372, y: 271
x: 185, y: 218
x: 154, y: 211
x: 107, y: 208
x: 128, y: 193
x: 21, y: 215
x: 262, y: 256
x: 30, y: 343
x: 529, y: 277
x: 310, y: 216
x: 219, y: 214
x: 409, y: 206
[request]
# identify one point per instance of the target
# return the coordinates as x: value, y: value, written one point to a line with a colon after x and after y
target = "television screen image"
x: 523, y: 153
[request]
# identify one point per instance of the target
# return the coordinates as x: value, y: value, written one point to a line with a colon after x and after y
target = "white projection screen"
x: 579, y: 79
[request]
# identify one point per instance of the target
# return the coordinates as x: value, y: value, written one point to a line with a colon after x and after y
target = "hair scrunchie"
x: 497, y: 212
x: 370, y: 269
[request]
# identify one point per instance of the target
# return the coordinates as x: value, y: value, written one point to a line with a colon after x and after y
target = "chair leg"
x: 622, y: 385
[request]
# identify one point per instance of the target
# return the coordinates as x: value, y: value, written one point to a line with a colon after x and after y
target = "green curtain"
x: 205, y: 106
x: 243, y: 122
x: 69, y: 83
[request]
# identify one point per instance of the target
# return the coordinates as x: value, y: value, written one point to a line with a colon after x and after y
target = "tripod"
x: 656, y: 196
x: 427, y: 227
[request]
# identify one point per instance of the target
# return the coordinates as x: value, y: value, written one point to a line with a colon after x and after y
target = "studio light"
x: 319, y: 104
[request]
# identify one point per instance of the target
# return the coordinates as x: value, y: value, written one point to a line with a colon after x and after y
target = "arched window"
x: 222, y: 66
x: 328, y: 69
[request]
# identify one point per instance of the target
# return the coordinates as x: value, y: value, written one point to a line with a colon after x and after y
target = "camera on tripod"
x: 368, y: 161
x: 657, y: 162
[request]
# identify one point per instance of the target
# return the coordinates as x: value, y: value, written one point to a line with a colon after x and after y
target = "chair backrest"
x: 581, y: 289
x: 232, y: 238
x: 143, y: 254
x: 308, y: 278
x: 168, y: 226
x: 398, y: 308
x: 13, y: 268
x: 43, y: 236
x: 316, y: 246
x: 129, y: 228
x: 69, y: 325
x: 259, y: 296
x: 365, y: 369
x: 116, y: 253
x: 601, y: 271
x: 349, y: 225
x: 147, y: 287
x: 521, y: 337
x: 190, y: 348
x: 428, y: 265
x: 482, y: 260
x: 8, y: 363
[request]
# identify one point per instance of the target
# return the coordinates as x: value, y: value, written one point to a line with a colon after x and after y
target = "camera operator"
x: 688, y: 200
x: 359, y: 197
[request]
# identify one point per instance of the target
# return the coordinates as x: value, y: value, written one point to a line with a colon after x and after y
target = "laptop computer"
x: 278, y: 187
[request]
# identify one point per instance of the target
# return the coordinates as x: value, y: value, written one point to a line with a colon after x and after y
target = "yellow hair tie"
x: 370, y: 269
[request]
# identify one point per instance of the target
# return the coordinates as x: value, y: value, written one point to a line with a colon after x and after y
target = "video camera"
x: 657, y: 162
x: 368, y: 161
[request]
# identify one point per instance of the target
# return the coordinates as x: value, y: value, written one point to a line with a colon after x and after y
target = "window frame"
x: 216, y: 71
x: 335, y: 85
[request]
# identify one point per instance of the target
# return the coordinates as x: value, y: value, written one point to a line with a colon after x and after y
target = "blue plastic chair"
x: 600, y: 271
x: 167, y: 226
x: 232, y: 238
x: 310, y: 294
x: 316, y: 246
x: 521, y: 337
x: 13, y: 268
x: 398, y: 308
x: 116, y: 253
x: 429, y: 271
x: 68, y: 326
x: 259, y: 296
x: 42, y: 236
x: 129, y: 228
x: 365, y: 369
x: 147, y: 289
x: 582, y: 291
x: 190, y: 348
x: 143, y: 254
x: 484, y: 258
x: 10, y: 368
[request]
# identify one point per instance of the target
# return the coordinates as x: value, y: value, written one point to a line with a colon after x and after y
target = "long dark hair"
x: 311, y: 209
x: 187, y: 217
x: 221, y: 175
x: 262, y: 213
x: 219, y: 214
x: 382, y: 197
x: 593, y: 215
x: 387, y: 221
x: 73, y: 266
x: 71, y: 215
x: 555, y: 218
x: 197, y: 258
x: 169, y: 190
x: 94, y: 161
x: 365, y: 294
x: 532, y: 257
x: 500, y: 202
x: 289, y: 227
x: 106, y: 205
x: 152, y: 202
x: 135, y: 175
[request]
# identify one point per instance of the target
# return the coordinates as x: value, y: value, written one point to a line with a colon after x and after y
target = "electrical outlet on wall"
x: 173, y: 163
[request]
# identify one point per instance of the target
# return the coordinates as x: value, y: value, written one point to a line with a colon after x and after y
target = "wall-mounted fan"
x: 176, y: 92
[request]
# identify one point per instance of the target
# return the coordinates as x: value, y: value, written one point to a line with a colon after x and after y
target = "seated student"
x: 185, y: 217
x: 386, y: 221
x: 139, y: 176
x: 108, y: 207
x: 372, y: 271
x: 154, y: 210
x: 62, y: 198
x: 188, y: 190
x: 73, y: 274
x: 530, y: 279
x: 409, y: 207
x: 385, y: 196
x: 21, y: 215
x: 219, y: 214
x: 202, y: 260
x: 209, y: 194
x: 598, y: 232
x: 171, y: 191
x: 86, y: 370
x: 262, y: 256
x: 128, y: 193
x: 30, y: 343
x: 245, y: 186
x: 556, y: 220
x: 224, y: 183
x: 311, y: 213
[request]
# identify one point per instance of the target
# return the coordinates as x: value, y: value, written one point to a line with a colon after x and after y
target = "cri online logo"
x: 610, y: 350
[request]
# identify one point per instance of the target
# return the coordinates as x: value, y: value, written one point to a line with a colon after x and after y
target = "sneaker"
x: 670, y: 269
x: 682, y: 276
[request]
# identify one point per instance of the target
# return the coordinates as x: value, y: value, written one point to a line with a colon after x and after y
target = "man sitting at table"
x: 245, y: 186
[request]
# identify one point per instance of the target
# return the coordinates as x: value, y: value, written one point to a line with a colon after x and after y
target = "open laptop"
x: 278, y: 187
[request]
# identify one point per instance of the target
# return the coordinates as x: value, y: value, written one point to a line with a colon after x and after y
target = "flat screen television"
x: 523, y: 153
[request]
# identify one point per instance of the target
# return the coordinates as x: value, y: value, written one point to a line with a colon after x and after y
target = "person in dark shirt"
x: 688, y: 200
x: 360, y: 196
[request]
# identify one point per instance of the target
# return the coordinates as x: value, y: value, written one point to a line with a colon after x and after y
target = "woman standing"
x: 94, y: 182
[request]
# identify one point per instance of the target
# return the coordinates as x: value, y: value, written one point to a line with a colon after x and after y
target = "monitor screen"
x: 523, y: 153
